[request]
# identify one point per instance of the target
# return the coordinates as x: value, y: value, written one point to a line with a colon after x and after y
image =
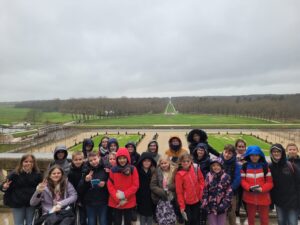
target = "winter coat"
x: 86, y: 142
x: 134, y: 156
x: 76, y: 173
x: 46, y: 198
x: 203, y: 139
x: 128, y: 184
x: 145, y: 205
x: 64, y: 163
x: 156, y: 155
x: 284, y: 193
x: 203, y: 163
x: 189, y: 186
x: 94, y: 196
x: 156, y: 185
x: 296, y: 166
x: 255, y: 176
x: 217, y: 193
x: 175, y: 154
x: 21, y: 189
x: 233, y: 169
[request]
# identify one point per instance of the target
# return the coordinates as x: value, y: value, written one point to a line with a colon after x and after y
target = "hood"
x: 175, y: 137
x: 203, y: 146
x: 112, y: 140
x: 255, y: 150
x: 217, y: 160
x: 123, y: 152
x: 86, y: 142
x: 283, y: 154
x: 151, y: 142
x: 201, y: 133
x: 146, y: 155
x: 131, y: 143
x: 60, y: 148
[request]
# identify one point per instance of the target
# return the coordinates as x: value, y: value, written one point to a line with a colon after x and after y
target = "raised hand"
x: 6, y: 185
x: 89, y: 177
x: 42, y: 186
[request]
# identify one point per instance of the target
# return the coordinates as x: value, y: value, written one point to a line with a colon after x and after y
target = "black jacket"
x: 21, y: 189
x: 296, y: 166
x: 284, y: 193
x: 94, y: 195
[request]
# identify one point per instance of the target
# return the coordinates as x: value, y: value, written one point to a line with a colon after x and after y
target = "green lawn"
x: 186, y: 119
x: 9, y: 115
x: 122, y: 139
x: 24, y: 133
x: 7, y: 147
x: 218, y: 141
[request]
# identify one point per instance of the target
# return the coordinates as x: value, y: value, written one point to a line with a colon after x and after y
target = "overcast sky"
x: 140, y: 48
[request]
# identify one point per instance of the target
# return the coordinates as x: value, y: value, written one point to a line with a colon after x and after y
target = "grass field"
x: 24, y: 133
x: 10, y: 115
x: 189, y: 119
x: 122, y: 139
x: 7, y: 147
x: 218, y: 141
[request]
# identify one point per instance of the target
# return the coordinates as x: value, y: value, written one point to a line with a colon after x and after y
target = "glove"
x: 184, y: 215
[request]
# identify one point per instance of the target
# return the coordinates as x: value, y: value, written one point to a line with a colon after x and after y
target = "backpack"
x: 165, y: 213
x: 265, y: 169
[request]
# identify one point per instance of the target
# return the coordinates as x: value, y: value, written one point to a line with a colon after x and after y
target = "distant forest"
x: 270, y: 107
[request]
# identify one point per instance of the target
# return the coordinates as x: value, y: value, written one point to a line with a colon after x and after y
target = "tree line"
x: 270, y: 107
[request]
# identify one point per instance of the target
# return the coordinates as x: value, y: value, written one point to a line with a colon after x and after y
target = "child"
x: 103, y: 149
x: 145, y: 207
x: 153, y: 148
x: 19, y: 187
x: 162, y: 183
x: 87, y: 146
x: 78, y: 168
x: 257, y: 183
x: 197, y: 136
x: 134, y: 156
x: 123, y: 184
x: 217, y: 193
x: 285, y: 191
x: 201, y: 157
x: 189, y: 184
x: 175, y: 149
x: 113, y: 145
x: 232, y: 168
x: 94, y: 190
x: 61, y: 159
x: 56, y: 195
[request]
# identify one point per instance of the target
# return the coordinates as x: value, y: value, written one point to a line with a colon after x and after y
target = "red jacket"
x: 189, y: 186
x: 129, y: 184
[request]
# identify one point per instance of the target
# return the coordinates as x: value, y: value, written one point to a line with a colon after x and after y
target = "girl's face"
x: 112, y: 160
x: 276, y: 154
x: 104, y: 143
x: 113, y: 147
x: 152, y: 147
x: 27, y: 164
x: 164, y: 165
x: 122, y: 160
x: 77, y: 160
x: 56, y: 175
x: 196, y: 137
x: 254, y: 158
x: 227, y: 154
x: 186, y: 163
x: 130, y: 148
x: 216, y: 167
x: 147, y: 163
x: 94, y: 161
x: 240, y: 147
x: 292, y: 152
x: 200, y: 153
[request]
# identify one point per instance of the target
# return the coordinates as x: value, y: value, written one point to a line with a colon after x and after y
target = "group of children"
x: 114, y: 184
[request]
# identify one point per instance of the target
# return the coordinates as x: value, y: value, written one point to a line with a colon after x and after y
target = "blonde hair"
x: 74, y: 154
x: 114, y: 154
x: 163, y: 158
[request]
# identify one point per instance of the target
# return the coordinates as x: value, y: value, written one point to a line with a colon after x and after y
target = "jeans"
x: 94, y: 212
x: 23, y: 214
x: 287, y: 216
x: 146, y: 220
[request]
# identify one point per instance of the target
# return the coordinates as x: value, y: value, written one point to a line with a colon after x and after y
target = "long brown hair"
x: 35, y: 167
x: 62, y: 183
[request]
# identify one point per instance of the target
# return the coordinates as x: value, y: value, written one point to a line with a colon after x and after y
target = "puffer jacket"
x: 174, y: 154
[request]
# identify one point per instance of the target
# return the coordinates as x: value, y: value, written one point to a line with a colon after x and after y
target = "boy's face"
x: 122, y: 160
x: 113, y: 147
x: 175, y: 141
x: 112, y: 160
x: 254, y: 158
x: 276, y: 154
x: 94, y: 161
x: 196, y: 137
x: 152, y: 147
x: 292, y: 151
x: 77, y: 160
x: 147, y: 163
x: 240, y: 147
x: 130, y: 148
x: 200, y: 153
x: 227, y: 154
x: 88, y: 148
x: 60, y: 155
x: 216, y: 167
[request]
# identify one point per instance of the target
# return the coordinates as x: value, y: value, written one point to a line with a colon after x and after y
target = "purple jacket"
x: 46, y: 199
